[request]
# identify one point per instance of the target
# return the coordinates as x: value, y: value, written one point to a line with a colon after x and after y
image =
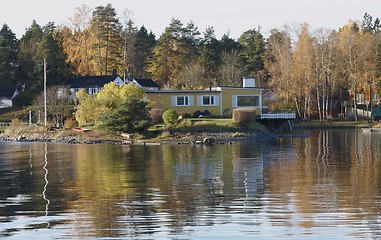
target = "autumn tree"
x: 303, y: 75
x: 91, y: 109
x: 277, y: 61
x: 76, y: 40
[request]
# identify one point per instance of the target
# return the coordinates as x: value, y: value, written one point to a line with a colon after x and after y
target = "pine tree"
x: 8, y: 57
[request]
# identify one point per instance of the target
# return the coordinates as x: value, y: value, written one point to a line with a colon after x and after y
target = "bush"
x: 156, y: 115
x: 70, y: 123
x: 131, y: 116
x: 244, y: 115
x: 170, y: 117
x: 185, y: 115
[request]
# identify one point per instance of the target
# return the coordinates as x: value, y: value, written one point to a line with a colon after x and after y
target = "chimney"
x: 249, y: 82
x: 114, y: 72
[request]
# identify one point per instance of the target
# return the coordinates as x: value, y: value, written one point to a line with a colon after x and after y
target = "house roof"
x: 7, y: 92
x: 146, y: 82
x: 90, y: 81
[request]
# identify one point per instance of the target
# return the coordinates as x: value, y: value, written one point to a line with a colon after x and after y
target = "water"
x: 324, y: 186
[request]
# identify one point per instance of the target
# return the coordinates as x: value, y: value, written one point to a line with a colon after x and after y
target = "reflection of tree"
x: 332, y: 171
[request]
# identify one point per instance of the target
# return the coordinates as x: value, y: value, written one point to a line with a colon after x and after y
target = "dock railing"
x: 278, y: 115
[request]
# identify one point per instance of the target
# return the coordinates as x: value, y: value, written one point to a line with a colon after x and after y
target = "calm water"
x: 324, y: 186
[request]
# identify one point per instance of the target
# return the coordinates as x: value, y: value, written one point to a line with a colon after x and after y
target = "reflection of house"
x: 217, y: 101
x: 6, y: 97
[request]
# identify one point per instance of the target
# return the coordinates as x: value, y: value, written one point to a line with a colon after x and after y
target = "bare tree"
x: 58, y: 103
x: 231, y: 71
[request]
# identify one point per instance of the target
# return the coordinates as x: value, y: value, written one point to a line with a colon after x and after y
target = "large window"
x: 247, y: 101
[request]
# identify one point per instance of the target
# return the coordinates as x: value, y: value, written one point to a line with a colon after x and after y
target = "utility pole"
x: 46, y: 119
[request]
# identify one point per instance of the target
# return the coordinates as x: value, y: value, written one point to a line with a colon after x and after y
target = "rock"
x: 208, y: 141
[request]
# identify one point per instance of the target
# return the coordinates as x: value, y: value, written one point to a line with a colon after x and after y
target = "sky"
x: 233, y: 17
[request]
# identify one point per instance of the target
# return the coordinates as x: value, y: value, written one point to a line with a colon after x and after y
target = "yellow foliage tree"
x: 91, y: 109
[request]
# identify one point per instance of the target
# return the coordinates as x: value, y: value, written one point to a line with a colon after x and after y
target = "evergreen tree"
x: 28, y: 57
x: 107, y: 29
x: 8, y: 57
x: 144, y: 44
x: 175, y: 47
x: 253, y: 46
x: 209, y: 55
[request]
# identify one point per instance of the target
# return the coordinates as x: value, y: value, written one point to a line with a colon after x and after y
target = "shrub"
x: 130, y: 117
x: 244, y: 115
x: 70, y: 123
x: 185, y: 115
x: 156, y: 115
x: 170, y: 117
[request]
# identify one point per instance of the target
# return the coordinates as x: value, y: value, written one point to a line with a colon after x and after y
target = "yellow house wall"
x: 163, y: 100
x: 228, y: 93
x: 224, y: 104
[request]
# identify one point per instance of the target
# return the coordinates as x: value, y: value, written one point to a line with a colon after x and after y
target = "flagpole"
x: 45, y: 92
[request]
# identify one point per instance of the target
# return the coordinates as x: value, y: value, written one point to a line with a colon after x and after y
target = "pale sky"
x: 234, y: 16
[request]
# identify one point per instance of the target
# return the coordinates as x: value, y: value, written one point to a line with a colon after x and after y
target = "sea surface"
x: 326, y: 185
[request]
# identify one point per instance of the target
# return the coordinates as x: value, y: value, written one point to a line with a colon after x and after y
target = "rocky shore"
x: 191, y: 138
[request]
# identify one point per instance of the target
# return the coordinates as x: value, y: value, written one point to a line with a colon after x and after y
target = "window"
x: 182, y: 101
x: 247, y: 101
x: 208, y: 101
x: 360, y: 98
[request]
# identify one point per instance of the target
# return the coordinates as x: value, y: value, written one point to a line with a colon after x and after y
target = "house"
x: 219, y: 101
x: 92, y: 84
x: 6, y: 97
x: 146, y: 83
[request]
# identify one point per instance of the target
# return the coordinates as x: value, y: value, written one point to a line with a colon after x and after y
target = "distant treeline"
x: 306, y: 72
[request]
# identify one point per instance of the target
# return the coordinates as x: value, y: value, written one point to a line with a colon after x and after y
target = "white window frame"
x: 235, y: 101
x: 213, y: 100
x: 360, y: 98
x: 188, y: 101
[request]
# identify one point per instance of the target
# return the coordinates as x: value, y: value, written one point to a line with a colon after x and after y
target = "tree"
x: 91, y: 109
x: 370, y: 26
x: 8, y: 57
x: 131, y: 116
x: 143, y: 47
x: 277, y: 61
x: 231, y: 71
x: 253, y: 47
x: 37, y: 44
x: 175, y: 47
x: 209, y: 56
x: 59, y: 103
x: 107, y: 30
x: 28, y: 58
x: 77, y: 41
x: 303, y: 75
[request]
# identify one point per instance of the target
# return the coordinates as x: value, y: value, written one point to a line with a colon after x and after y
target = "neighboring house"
x: 92, y: 84
x: 148, y: 84
x: 219, y: 101
x: 6, y: 97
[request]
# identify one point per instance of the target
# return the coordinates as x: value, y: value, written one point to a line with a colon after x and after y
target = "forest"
x: 307, y: 70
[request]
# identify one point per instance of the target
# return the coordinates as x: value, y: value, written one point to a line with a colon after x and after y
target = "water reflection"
x: 291, y: 187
